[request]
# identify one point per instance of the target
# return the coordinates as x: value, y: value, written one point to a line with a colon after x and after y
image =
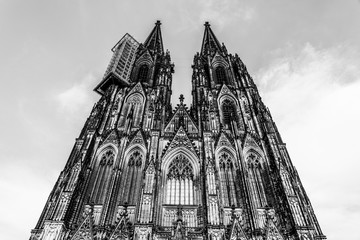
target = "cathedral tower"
x: 142, y: 170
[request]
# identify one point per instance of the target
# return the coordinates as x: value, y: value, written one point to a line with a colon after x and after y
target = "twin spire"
x: 154, y: 40
x: 210, y: 42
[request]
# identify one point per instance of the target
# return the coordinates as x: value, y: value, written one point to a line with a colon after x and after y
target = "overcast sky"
x: 303, y: 55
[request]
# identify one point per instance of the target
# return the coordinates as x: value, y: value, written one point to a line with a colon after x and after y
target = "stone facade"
x: 141, y: 169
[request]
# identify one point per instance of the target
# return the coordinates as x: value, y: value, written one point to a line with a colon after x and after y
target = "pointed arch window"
x: 179, y: 182
x: 220, y: 75
x: 255, y: 180
x: 143, y: 73
x: 229, y: 112
x: 133, y: 177
x: 103, y: 176
x: 134, y: 108
x: 227, y: 179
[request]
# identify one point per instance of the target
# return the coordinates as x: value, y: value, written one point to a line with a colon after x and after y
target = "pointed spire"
x: 154, y: 40
x: 210, y: 41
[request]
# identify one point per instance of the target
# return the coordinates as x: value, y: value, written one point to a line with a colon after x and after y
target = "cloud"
x: 224, y: 12
x: 78, y: 96
x: 220, y: 12
x: 304, y: 76
x: 313, y: 95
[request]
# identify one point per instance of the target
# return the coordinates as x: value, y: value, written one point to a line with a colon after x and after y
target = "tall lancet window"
x: 220, y: 75
x: 134, y: 108
x: 228, y: 112
x: 103, y: 177
x: 179, y: 183
x: 133, y: 177
x: 227, y: 180
x: 256, y: 180
x: 143, y: 73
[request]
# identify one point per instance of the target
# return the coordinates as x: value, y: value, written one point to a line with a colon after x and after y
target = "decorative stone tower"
x: 141, y: 170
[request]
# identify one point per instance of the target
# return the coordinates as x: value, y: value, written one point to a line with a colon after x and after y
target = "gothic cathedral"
x: 141, y: 169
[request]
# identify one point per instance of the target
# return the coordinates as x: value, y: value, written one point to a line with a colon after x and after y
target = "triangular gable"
x: 146, y: 57
x: 120, y: 231
x: 236, y: 232
x: 210, y: 165
x: 138, y: 139
x: 150, y: 168
x: 137, y: 88
x: 180, y: 140
x: 225, y: 91
x: 85, y: 231
x: 223, y: 141
x: 181, y: 111
x: 250, y: 143
x: 218, y: 59
x: 272, y: 232
x: 113, y: 137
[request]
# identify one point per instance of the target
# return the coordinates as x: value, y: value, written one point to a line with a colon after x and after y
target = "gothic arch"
x: 220, y: 73
x: 134, y: 147
x: 218, y: 60
x: 102, y: 149
x: 179, y: 181
x: 229, y: 108
x: 193, y: 158
x: 134, y: 107
x: 227, y: 97
x: 145, y: 58
x: 102, y: 174
x: 228, y: 150
x: 227, y: 166
x: 255, y: 176
x: 133, y: 166
x: 253, y: 148
x: 143, y: 72
x: 180, y: 171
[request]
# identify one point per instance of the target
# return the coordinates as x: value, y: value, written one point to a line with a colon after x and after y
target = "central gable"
x: 181, y: 119
x: 180, y: 140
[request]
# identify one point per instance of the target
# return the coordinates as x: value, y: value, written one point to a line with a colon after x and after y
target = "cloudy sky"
x: 304, y: 57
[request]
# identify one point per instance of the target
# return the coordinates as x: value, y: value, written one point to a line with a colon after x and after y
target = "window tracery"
x: 255, y: 179
x: 180, y: 176
x: 103, y: 176
x: 134, y: 108
x: 227, y: 179
x: 133, y: 177
x: 229, y: 112
x: 143, y: 73
x: 220, y: 75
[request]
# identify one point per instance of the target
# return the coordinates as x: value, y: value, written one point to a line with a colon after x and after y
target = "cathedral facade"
x: 141, y: 169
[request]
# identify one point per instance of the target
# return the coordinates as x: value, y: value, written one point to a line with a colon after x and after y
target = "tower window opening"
x: 220, y: 75
x: 143, y: 73
x: 229, y: 112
